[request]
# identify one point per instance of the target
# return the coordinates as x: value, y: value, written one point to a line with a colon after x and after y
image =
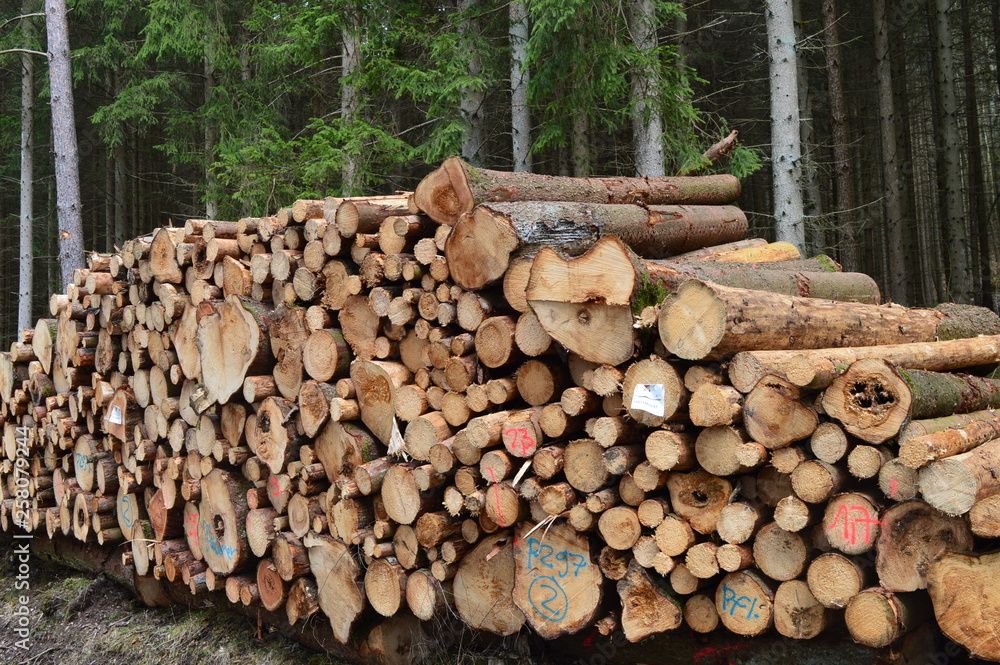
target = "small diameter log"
x: 703, y: 320
x: 739, y: 521
x: 851, y: 523
x: 876, y: 618
x: 457, y: 187
x: 828, y: 442
x: 647, y: 608
x: 712, y: 405
x: 779, y: 554
x: 699, y: 497
x: 797, y: 613
x: 726, y: 451
x: 652, y: 391
x: 953, y: 485
x: 774, y: 414
x: 484, y: 587
x: 375, y: 383
x: 620, y: 527
x: 525, y: 227
x: 873, y: 399
x: 326, y: 355
x: 816, y: 369
x: 385, y: 586
x: 557, y: 585
x: 919, y: 451
x: 670, y: 451
x: 834, y: 579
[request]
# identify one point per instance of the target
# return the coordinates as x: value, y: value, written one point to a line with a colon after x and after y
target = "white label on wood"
x: 648, y: 397
x: 116, y: 415
x: 396, y: 441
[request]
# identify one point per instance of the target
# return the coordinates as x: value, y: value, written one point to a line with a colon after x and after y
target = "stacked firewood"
x: 566, y: 403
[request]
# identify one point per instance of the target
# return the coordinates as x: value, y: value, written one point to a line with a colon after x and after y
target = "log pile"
x: 568, y: 404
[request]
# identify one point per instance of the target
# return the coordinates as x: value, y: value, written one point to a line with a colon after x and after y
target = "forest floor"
x: 79, y: 619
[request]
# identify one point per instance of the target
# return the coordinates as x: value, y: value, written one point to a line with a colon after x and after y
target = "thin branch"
x: 18, y: 18
x: 24, y: 50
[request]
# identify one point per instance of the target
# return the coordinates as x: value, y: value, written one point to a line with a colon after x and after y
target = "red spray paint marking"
x: 850, y: 532
x: 892, y: 488
x: 717, y: 653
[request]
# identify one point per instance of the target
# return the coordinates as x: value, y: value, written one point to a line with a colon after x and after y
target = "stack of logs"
x: 567, y: 403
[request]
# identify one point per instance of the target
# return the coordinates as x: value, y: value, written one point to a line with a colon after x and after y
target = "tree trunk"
x: 786, y: 149
x: 647, y: 125
x: 979, y: 216
x: 840, y: 137
x: 350, y: 100
x: 520, y: 76
x: 473, y: 96
x: 956, y: 235
x: 67, y: 172
x: 211, y: 136
x: 890, y: 156
x: 26, y: 238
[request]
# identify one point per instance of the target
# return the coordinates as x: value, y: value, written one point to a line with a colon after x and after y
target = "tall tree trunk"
x: 350, y: 98
x: 844, y: 200
x: 978, y: 213
x: 786, y: 148
x: 811, y: 201
x: 580, y: 137
x: 473, y: 97
x: 956, y: 235
x: 211, y: 137
x: 121, y: 195
x: 67, y: 164
x: 647, y: 126
x: 890, y: 158
x: 904, y: 151
x: 519, y: 77
x: 26, y: 244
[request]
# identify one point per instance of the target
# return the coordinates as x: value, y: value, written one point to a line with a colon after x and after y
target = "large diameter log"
x: 873, y: 399
x: 341, y: 594
x: 705, y: 320
x: 484, y: 587
x: 955, y: 484
x: 481, y: 243
x: 456, y: 188
x: 817, y: 368
x: 233, y: 344
x: 913, y: 534
x: 587, y: 303
x: 222, y: 517
x: 557, y: 586
x: 965, y: 592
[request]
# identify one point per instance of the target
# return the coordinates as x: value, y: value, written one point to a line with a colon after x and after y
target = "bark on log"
x: 955, y: 484
x: 525, y: 227
x: 703, y: 320
x: 873, y: 399
x: 456, y: 188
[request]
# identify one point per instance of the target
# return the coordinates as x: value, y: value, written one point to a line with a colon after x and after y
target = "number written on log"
x: 545, y: 593
x: 275, y: 489
x: 521, y: 441
x: 81, y: 460
x: 852, y: 516
x: 732, y: 603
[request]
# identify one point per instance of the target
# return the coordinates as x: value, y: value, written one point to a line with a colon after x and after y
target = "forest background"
x: 868, y: 129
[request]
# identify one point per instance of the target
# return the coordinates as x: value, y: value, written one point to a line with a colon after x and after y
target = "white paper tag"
x: 648, y: 397
x: 116, y: 415
x: 396, y: 441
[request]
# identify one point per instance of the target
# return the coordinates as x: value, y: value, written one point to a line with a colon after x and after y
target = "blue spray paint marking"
x: 548, y: 598
x: 81, y: 460
x: 208, y: 536
x: 127, y: 517
x: 545, y: 593
x: 731, y: 602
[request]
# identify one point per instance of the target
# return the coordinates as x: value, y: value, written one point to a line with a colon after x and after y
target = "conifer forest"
x: 218, y: 110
